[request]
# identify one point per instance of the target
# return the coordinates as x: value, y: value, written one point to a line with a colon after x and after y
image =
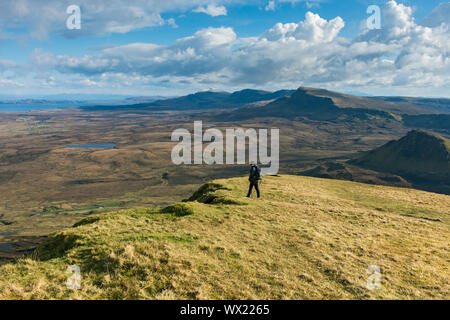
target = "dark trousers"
x: 253, y: 184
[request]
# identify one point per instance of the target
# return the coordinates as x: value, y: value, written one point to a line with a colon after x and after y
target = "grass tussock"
x: 210, y: 193
x: 307, y: 238
x: 179, y: 209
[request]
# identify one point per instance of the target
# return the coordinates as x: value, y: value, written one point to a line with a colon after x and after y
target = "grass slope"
x: 307, y: 238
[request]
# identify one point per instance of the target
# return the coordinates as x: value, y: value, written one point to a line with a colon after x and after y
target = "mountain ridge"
x: 213, y: 100
x: 302, y: 103
x: 238, y: 99
x: 396, y: 104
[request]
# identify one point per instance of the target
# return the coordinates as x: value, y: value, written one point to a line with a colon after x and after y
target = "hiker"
x: 255, y: 176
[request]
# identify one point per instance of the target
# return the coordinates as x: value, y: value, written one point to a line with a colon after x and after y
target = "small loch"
x: 7, y: 246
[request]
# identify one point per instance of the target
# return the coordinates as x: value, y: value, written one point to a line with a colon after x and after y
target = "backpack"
x: 257, y: 174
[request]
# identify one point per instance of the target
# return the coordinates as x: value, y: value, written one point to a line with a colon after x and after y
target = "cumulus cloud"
x: 204, y: 52
x: 313, y: 28
x: 311, y: 52
x: 99, y: 17
x: 212, y: 10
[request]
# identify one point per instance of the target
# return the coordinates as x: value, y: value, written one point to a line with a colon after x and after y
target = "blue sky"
x: 154, y: 48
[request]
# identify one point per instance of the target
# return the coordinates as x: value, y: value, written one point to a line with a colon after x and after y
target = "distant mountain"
x: 420, y: 156
x: 199, y: 100
x: 144, y: 99
x: 215, y: 100
x: 324, y: 105
x: 82, y: 100
x: 306, y: 102
x: 204, y: 100
x: 318, y: 104
x: 400, y: 105
x: 422, y: 105
x: 437, y: 122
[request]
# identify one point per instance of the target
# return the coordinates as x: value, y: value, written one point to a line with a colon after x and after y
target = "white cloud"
x: 172, y: 22
x: 270, y: 6
x: 401, y: 55
x: 98, y: 17
x: 204, y: 52
x: 89, y: 83
x: 10, y: 83
x: 212, y: 10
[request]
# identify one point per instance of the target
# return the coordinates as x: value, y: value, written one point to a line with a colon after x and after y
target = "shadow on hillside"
x: 348, y: 172
x: 13, y: 247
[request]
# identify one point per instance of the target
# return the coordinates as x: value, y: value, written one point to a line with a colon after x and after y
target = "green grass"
x: 307, y: 238
x: 179, y: 209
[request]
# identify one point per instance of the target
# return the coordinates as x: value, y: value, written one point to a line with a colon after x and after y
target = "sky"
x: 174, y: 47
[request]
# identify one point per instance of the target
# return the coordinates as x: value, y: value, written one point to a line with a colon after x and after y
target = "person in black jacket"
x: 254, y: 178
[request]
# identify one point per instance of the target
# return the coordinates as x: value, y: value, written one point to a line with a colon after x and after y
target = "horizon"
x: 96, y: 97
x: 181, y: 47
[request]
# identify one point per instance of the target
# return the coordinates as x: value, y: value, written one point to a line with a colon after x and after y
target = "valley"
x: 46, y: 186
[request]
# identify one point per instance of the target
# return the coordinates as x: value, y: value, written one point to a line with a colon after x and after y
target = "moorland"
x: 46, y: 187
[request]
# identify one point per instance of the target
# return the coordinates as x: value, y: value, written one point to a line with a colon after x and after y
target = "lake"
x: 93, y: 146
x: 9, y: 107
x: 7, y: 246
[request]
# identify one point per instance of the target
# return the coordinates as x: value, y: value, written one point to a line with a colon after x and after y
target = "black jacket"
x: 255, y: 174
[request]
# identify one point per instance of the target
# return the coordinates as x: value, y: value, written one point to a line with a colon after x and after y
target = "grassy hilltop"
x: 308, y: 238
